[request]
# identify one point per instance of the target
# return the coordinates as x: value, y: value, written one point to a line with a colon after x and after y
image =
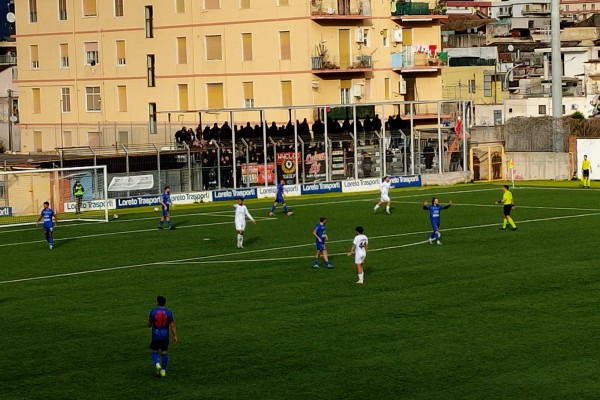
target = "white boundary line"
x: 188, y: 260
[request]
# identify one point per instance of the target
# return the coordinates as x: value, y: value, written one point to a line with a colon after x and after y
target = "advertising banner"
x: 321, y: 187
x: 233, y: 194
x: 255, y: 173
x: 5, y: 211
x: 137, y: 201
x: 287, y: 165
x: 126, y: 183
x: 405, y: 181
x: 361, y: 185
x: 90, y: 205
x: 315, y: 165
x: 269, y: 191
x: 191, y: 198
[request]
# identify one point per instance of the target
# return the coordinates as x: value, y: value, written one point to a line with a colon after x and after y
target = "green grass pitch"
x: 490, y: 314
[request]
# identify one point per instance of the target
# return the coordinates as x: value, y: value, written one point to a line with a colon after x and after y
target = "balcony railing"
x: 340, y: 8
x: 409, y: 8
x: 8, y: 59
x: 322, y: 63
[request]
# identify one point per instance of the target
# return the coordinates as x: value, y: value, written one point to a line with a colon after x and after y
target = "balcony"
x: 413, y: 60
x: 323, y: 65
x: 409, y: 8
x: 535, y: 10
x: 338, y: 10
x: 8, y: 59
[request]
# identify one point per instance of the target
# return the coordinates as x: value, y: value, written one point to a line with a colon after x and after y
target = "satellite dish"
x: 10, y: 17
x: 511, y: 47
x: 13, y: 118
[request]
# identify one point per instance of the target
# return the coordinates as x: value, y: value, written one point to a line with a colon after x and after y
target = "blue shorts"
x: 165, y: 212
x: 48, y: 227
x: 278, y: 199
x: 435, y: 225
x: 320, y: 245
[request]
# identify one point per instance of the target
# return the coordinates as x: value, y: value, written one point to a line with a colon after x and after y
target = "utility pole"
x: 558, y: 144
x: 10, y: 120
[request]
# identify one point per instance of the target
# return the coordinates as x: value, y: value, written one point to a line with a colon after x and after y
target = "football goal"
x: 23, y: 193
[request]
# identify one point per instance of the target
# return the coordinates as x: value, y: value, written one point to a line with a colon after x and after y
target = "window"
x: 94, y: 139
x: 182, y: 92
x: 213, y: 48
x: 149, y: 22
x: 37, y: 140
x: 123, y: 138
x: 65, y: 99
x: 211, y: 4
x: 121, y: 60
x: 584, y: 7
x: 542, y: 109
x: 62, y: 10
x: 35, y: 60
x: 471, y: 85
x: 386, y: 88
x: 284, y: 45
x: 92, y: 99
x: 248, y: 88
x: 215, y: 95
x: 152, y: 118
x: 244, y: 4
x: 122, y: 97
x: 180, y: 6
x: 385, y: 40
x: 89, y: 8
x: 118, y: 8
x: 345, y: 85
x: 32, y: 10
x: 487, y: 85
x: 286, y: 93
x: 366, y: 39
x: 497, y: 117
x: 64, y: 55
x: 181, y: 50
x: 567, y: 7
x: 91, y: 53
x: 246, y: 46
x: 284, y: 3
x: 593, y: 6
x: 35, y: 96
x: 150, y: 70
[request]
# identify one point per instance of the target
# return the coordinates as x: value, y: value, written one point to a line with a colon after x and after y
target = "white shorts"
x: 359, y: 258
x: 240, y: 225
x: 385, y: 198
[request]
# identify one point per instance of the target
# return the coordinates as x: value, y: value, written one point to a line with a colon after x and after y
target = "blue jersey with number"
x: 320, y: 231
x: 160, y: 318
x: 279, y: 194
x: 47, y: 214
x: 434, y: 214
x: 166, y: 199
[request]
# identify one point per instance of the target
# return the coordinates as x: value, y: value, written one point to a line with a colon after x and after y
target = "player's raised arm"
x: 425, y: 206
x: 447, y: 206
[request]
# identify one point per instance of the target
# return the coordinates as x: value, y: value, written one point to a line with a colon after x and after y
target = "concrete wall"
x: 540, y: 166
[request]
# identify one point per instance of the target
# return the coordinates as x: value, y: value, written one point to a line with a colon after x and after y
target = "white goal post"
x: 23, y: 193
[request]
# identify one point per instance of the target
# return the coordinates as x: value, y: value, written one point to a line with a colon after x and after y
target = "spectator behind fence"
x: 206, y: 133
x: 376, y: 123
x: 215, y: 132
x: 226, y: 131
x: 428, y: 154
x: 272, y: 131
x: 180, y: 135
x: 318, y: 128
x: 368, y: 125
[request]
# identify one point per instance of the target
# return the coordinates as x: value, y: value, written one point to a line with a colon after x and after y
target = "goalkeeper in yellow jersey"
x: 586, y: 168
x: 507, y: 201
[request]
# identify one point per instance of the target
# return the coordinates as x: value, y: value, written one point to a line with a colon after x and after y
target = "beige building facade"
x: 123, y: 72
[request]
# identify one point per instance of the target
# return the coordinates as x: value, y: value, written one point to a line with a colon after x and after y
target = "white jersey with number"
x: 241, y: 212
x: 360, y: 248
x: 385, y: 189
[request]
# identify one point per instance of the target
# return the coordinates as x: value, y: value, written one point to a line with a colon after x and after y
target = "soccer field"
x: 489, y: 314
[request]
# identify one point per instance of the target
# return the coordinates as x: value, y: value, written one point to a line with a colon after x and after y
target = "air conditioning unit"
x: 357, y: 91
x: 360, y: 35
x: 397, y: 35
x: 402, y: 86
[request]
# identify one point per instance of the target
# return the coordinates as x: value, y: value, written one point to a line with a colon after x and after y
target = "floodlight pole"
x: 558, y: 144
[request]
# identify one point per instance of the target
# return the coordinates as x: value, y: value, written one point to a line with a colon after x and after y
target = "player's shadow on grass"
x: 251, y: 240
x: 59, y: 244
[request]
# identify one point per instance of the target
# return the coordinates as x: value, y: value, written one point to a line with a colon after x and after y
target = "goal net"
x: 23, y: 193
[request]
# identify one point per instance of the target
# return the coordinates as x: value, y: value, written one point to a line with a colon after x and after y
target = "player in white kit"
x: 359, y: 248
x: 241, y: 212
x: 385, y: 198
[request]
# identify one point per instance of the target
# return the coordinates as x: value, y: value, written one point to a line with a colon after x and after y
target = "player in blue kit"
x: 161, y: 320
x: 49, y: 216
x: 320, y: 238
x: 434, y: 216
x: 166, y: 203
x: 279, y: 199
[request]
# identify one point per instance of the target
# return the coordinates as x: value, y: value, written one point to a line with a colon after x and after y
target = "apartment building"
x: 578, y: 10
x: 112, y: 72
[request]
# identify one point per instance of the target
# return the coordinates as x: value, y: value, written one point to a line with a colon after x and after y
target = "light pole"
x: 62, y: 139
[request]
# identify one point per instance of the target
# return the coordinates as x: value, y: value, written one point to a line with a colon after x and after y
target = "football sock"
x: 376, y: 207
x: 285, y: 209
x: 165, y: 361
x: 511, y: 222
x: 273, y: 208
x: 361, y: 276
x: 160, y: 223
x: 155, y: 358
x: 387, y: 208
x: 51, y: 240
x: 169, y: 223
x: 240, y: 239
x: 316, y: 262
x: 504, y: 224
